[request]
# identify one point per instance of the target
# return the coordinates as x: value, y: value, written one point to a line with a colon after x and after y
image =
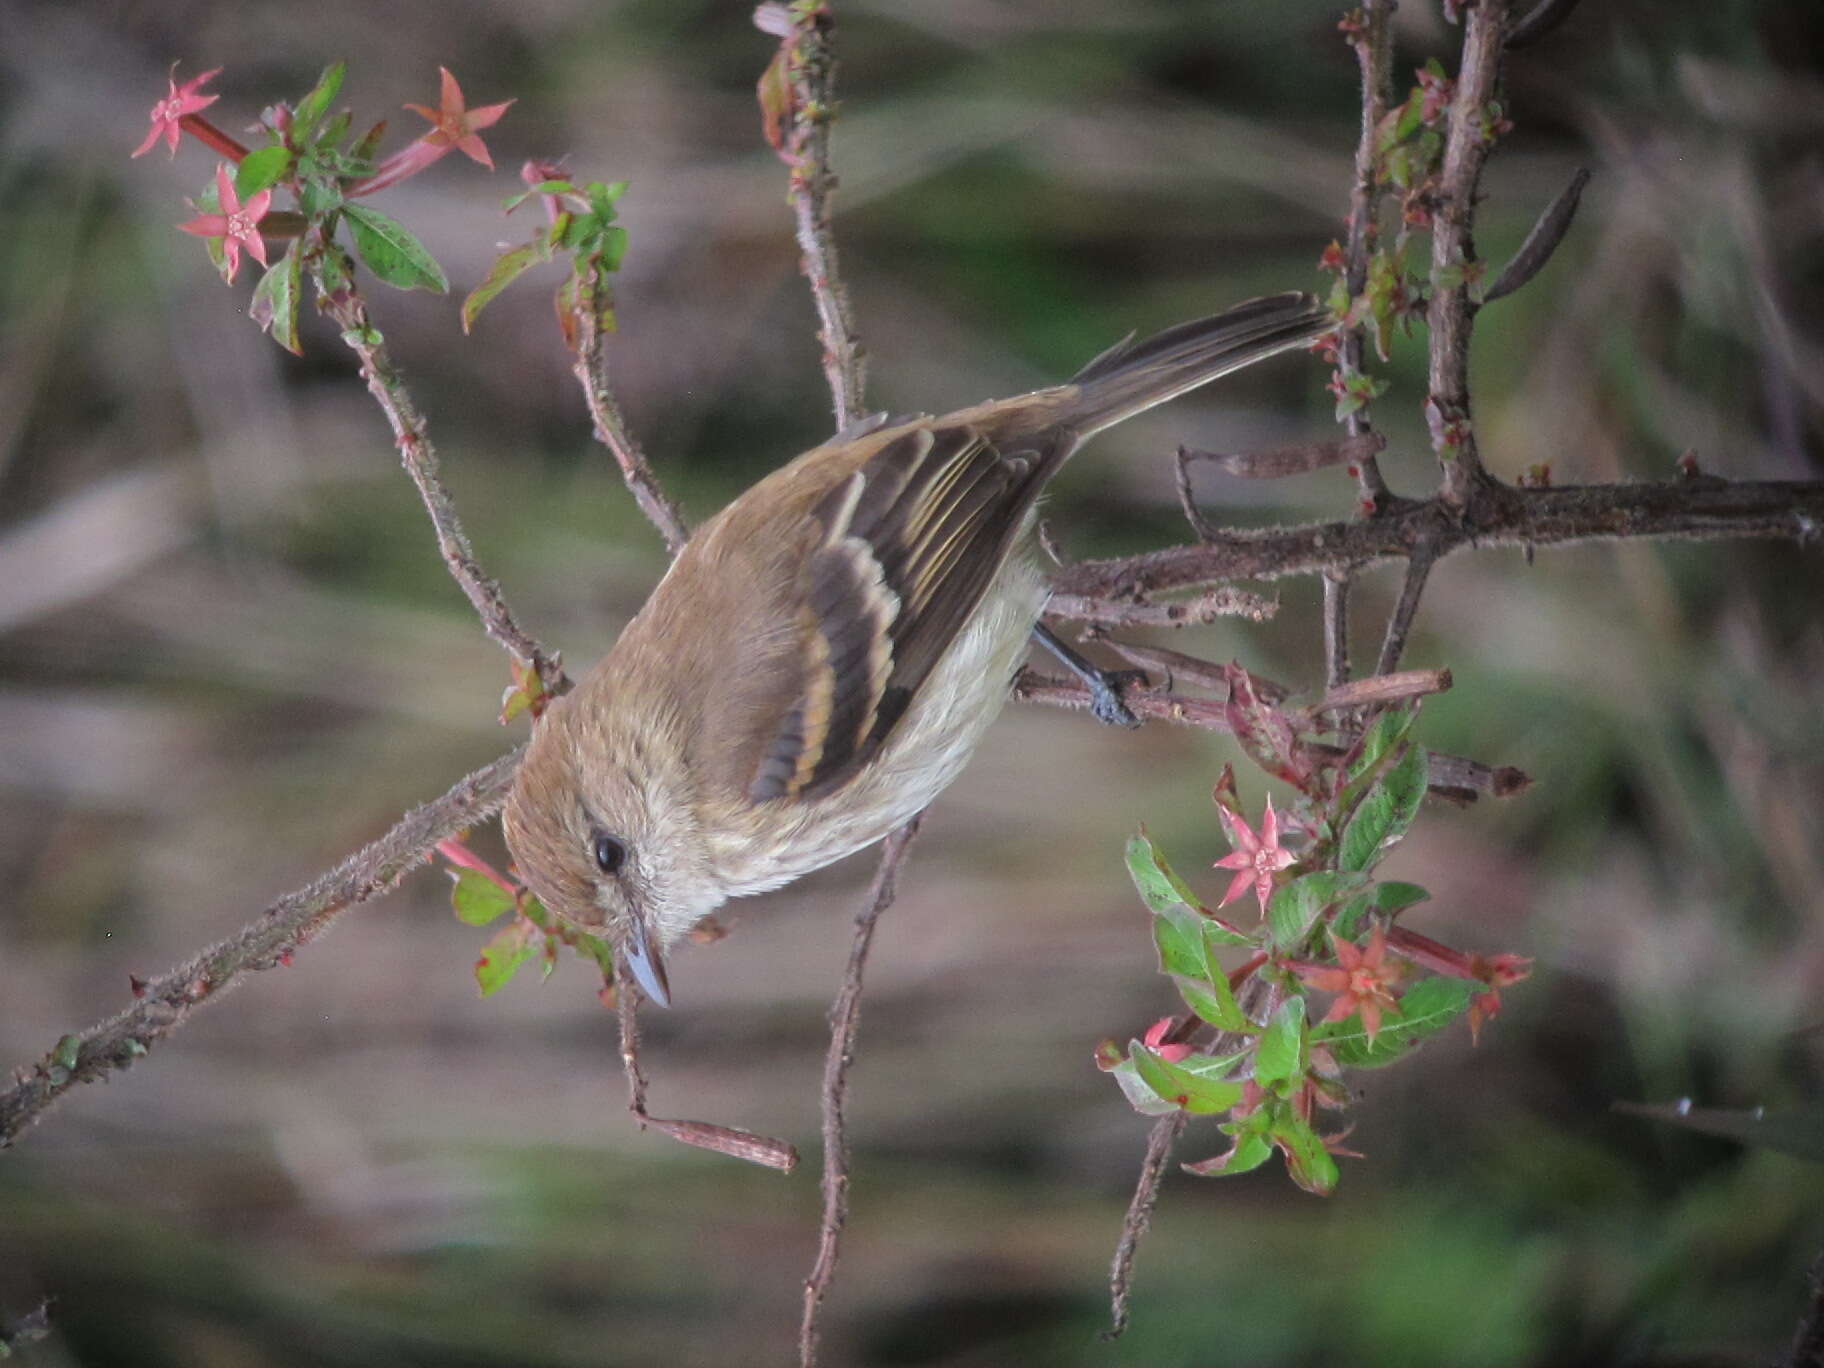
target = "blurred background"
x: 229, y: 655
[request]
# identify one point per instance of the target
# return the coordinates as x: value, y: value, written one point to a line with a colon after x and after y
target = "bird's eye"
x: 610, y: 853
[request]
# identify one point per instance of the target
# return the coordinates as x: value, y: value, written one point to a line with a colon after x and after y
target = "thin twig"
x: 1399, y: 624
x: 419, y: 457
x: 1542, y: 19
x: 1210, y: 606
x: 1496, y: 515
x: 729, y: 1140
x: 1139, y: 1219
x: 1384, y: 688
x: 166, y: 1002
x: 611, y: 430
x: 806, y: 65
x: 1541, y: 241
x: 845, y: 1018
x: 1374, y: 54
x: 1451, y: 312
x: 1336, y: 628
x: 1447, y: 776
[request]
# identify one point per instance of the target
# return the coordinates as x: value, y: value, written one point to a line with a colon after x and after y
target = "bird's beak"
x: 645, y: 962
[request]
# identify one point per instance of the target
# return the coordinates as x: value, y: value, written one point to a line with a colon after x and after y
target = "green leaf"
x: 612, y: 248
x: 1296, y: 907
x: 391, y: 252
x: 1250, y: 1151
x: 1426, y: 1008
x: 1190, y: 1085
x: 312, y: 106
x: 1212, y: 999
x: 275, y: 299
x: 261, y: 169
x: 597, y: 951
x: 66, y: 1052
x: 364, y: 147
x: 1386, y: 811
x: 502, y: 957
x: 1159, y: 887
x: 1388, y: 899
x: 477, y: 899
x: 507, y: 268
x: 1307, y: 1160
x: 1281, y: 1057
x: 602, y: 197
x: 1383, y: 734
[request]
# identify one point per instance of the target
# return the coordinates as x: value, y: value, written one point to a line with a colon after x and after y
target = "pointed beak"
x: 645, y: 962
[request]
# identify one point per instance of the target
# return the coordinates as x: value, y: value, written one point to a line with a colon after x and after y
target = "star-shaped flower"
x: 1362, y: 980
x: 456, y: 126
x: 169, y: 112
x: 1256, y: 858
x: 236, y: 224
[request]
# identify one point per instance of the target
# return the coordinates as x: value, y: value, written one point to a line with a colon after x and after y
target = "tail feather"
x: 1131, y: 377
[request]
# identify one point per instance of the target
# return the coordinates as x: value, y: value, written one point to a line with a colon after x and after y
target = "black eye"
x: 610, y: 854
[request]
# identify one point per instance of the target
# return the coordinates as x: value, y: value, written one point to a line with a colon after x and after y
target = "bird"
x: 822, y: 656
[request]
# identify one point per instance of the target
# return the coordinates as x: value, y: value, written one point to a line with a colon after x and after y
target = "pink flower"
x: 1363, y: 982
x: 453, y: 126
x: 169, y: 112
x: 236, y: 224
x: 1257, y: 858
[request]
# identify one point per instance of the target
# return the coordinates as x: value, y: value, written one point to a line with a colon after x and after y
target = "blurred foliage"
x: 228, y: 654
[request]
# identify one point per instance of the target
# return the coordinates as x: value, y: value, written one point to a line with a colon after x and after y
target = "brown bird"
x: 822, y: 657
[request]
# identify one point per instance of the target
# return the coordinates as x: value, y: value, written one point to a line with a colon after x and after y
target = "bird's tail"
x: 1130, y: 377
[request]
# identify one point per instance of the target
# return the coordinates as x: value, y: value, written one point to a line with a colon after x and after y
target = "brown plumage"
x: 824, y: 654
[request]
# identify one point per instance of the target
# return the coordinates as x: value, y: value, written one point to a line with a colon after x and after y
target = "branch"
x: 611, y: 430
x: 1210, y: 606
x: 1494, y: 515
x: 845, y: 1016
x: 1451, y: 313
x: 419, y: 457
x: 166, y: 1002
x: 1374, y: 53
x: 729, y: 1140
x: 1139, y: 1219
x: 797, y: 97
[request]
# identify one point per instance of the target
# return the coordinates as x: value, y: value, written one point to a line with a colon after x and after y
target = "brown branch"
x: 1451, y: 312
x: 806, y: 66
x: 611, y: 430
x: 1541, y: 240
x: 1374, y: 54
x: 165, y: 1003
x: 845, y: 1017
x: 1220, y: 602
x: 1139, y: 1219
x: 419, y: 457
x: 1336, y: 628
x: 1399, y: 624
x: 1495, y: 515
x: 729, y: 1140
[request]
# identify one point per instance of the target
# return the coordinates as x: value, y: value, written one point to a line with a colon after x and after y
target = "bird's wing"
x: 911, y: 539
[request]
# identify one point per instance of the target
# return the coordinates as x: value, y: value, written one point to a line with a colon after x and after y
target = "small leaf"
x: 1307, y: 1160
x: 1265, y: 731
x: 275, y: 299
x: 477, y: 899
x: 391, y: 252
x: 1426, y: 1008
x: 502, y: 957
x: 1159, y: 887
x: 313, y: 105
x: 1296, y: 906
x: 1388, y: 899
x: 1250, y: 1151
x: 1189, y: 1085
x: 1212, y: 999
x: 1386, y: 812
x: 507, y: 268
x: 1383, y: 734
x: 1280, y: 1059
x: 1140, y: 1096
x: 66, y: 1052
x: 261, y: 169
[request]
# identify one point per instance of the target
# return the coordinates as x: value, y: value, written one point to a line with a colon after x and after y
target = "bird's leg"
x: 1104, y: 685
